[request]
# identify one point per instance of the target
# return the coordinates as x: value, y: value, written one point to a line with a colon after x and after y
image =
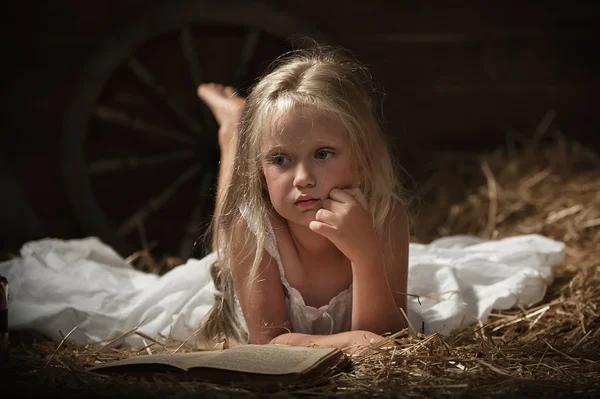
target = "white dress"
x: 328, y: 319
x: 56, y: 285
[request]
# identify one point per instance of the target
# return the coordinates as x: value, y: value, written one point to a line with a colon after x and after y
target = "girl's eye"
x: 279, y: 159
x: 323, y: 154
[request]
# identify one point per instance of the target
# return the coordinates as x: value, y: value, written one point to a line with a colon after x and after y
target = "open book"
x: 243, y: 363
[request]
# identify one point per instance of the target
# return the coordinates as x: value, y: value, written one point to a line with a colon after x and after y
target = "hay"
x: 549, y: 348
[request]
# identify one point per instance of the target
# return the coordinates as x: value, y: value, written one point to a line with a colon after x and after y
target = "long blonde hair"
x: 334, y: 83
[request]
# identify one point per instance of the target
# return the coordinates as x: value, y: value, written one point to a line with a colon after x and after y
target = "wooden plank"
x: 472, y: 120
x: 349, y: 21
x: 509, y: 64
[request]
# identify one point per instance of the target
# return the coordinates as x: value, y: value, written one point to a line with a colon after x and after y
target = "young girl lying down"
x: 310, y: 229
x: 310, y: 238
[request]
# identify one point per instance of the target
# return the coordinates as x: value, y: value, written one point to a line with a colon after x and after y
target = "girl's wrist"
x: 365, y: 269
x: 368, y: 261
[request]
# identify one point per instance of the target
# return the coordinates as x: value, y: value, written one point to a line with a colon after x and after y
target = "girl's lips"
x: 308, y: 204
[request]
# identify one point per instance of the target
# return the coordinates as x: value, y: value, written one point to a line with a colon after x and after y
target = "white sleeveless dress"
x: 328, y: 319
x: 82, y: 284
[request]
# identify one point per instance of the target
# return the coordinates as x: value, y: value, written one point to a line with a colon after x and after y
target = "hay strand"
x: 552, y: 346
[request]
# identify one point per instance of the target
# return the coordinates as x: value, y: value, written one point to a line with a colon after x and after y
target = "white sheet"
x: 57, y: 285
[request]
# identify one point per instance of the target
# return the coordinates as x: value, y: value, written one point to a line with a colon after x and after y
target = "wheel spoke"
x: 156, y: 202
x: 191, y: 233
x: 107, y: 114
x: 190, y: 55
x: 130, y: 163
x: 250, y: 44
x: 146, y: 77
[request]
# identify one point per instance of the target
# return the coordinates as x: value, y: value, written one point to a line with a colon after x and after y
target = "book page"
x: 183, y: 361
x: 267, y: 359
x: 261, y: 359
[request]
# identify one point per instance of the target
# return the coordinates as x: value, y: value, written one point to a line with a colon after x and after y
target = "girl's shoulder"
x: 247, y: 230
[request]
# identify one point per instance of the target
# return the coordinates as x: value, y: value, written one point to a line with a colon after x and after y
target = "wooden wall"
x: 458, y: 74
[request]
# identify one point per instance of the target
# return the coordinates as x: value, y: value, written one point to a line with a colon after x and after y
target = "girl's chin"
x: 304, y: 220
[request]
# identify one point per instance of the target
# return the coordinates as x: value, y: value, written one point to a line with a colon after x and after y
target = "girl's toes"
x: 202, y: 89
x: 229, y: 91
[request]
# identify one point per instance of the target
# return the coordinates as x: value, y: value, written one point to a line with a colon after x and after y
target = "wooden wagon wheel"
x: 139, y: 152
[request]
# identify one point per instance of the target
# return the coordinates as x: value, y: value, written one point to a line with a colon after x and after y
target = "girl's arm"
x: 350, y: 340
x: 375, y: 288
x: 377, y: 295
x: 377, y: 292
x: 262, y: 300
x: 225, y: 173
x: 397, y: 257
x: 265, y: 310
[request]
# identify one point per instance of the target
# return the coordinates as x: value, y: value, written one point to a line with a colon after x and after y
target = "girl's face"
x: 304, y: 158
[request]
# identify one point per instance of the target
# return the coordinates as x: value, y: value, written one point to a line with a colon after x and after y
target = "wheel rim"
x: 139, y: 149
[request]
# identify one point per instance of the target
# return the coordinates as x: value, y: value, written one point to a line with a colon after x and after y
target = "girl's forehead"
x: 303, y: 124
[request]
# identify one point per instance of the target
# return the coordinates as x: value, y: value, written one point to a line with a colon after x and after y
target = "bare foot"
x: 227, y: 108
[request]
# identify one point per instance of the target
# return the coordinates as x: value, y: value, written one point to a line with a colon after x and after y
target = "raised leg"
x: 227, y: 107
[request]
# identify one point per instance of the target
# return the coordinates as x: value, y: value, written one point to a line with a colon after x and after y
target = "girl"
x: 310, y: 230
x: 310, y: 238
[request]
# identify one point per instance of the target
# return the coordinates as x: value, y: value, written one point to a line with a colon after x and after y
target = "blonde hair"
x: 334, y: 83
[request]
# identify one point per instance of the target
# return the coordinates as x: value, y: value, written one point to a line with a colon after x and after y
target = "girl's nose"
x: 304, y: 176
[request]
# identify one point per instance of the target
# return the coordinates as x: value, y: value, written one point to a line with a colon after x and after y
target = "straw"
x: 547, y: 188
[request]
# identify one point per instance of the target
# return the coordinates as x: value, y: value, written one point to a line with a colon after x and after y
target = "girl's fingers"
x: 331, y: 205
x: 327, y: 204
x: 360, y: 197
x: 323, y: 229
x: 352, y: 190
x: 325, y: 216
x: 344, y: 196
x: 340, y: 195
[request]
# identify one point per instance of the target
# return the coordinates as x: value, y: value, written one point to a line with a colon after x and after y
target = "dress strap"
x: 270, y: 244
x: 273, y: 250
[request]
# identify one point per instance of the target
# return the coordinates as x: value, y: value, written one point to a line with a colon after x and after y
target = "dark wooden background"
x: 458, y: 75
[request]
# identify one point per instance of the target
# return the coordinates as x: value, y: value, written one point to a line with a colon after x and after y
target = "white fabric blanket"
x: 57, y: 285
